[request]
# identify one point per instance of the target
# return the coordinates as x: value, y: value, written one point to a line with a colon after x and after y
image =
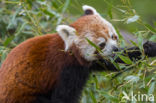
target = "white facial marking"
x: 87, y: 51
x: 101, y: 40
x: 68, y: 34
x: 109, y: 47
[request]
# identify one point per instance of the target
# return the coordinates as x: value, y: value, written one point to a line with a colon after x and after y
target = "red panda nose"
x: 115, y: 49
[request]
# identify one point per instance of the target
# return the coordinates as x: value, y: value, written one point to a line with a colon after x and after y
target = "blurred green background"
x: 23, y: 19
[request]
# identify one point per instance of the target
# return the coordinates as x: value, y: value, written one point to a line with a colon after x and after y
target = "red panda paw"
x: 150, y: 48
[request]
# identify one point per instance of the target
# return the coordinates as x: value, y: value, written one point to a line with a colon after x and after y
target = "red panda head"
x: 91, y: 26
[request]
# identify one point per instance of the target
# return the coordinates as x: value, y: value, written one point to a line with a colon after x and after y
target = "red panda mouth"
x: 98, y: 55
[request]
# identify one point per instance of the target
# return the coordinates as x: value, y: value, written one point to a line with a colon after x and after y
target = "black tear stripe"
x: 71, y: 84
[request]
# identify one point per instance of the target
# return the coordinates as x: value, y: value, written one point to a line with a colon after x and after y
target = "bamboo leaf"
x: 132, y: 78
x: 149, y: 27
x: 94, y: 45
x: 151, y: 89
x: 125, y: 59
x: 93, y: 97
x: 8, y: 40
x: 132, y: 19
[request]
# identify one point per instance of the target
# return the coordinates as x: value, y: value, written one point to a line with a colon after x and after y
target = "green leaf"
x: 42, y: 2
x: 21, y: 28
x: 11, y: 2
x: 134, y: 43
x: 115, y: 64
x: 8, y: 40
x: 96, y: 82
x: 3, y: 56
x: 132, y: 78
x: 132, y: 19
x: 153, y: 38
x: 93, y: 97
x: 110, y: 12
x: 121, y: 38
x: 153, y: 63
x: 109, y: 97
x: 94, y: 45
x: 149, y: 27
x: 155, y: 23
x: 63, y: 10
x: 125, y: 59
x: 54, y: 4
x: 12, y: 21
x: 121, y: 10
x: 151, y: 88
x: 51, y: 14
x: 140, y: 41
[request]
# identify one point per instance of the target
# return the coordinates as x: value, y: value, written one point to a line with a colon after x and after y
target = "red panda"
x: 53, y: 68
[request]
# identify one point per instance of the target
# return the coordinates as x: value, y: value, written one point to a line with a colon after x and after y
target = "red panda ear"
x: 88, y: 10
x: 68, y: 35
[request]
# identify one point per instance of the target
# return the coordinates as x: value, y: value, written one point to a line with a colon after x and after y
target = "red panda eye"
x: 114, y: 37
x: 102, y: 45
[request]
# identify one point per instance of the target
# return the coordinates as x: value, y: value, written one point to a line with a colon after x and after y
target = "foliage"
x: 23, y: 19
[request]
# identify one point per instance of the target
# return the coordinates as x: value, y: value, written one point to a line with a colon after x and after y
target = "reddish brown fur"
x: 32, y: 68
x: 92, y: 23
